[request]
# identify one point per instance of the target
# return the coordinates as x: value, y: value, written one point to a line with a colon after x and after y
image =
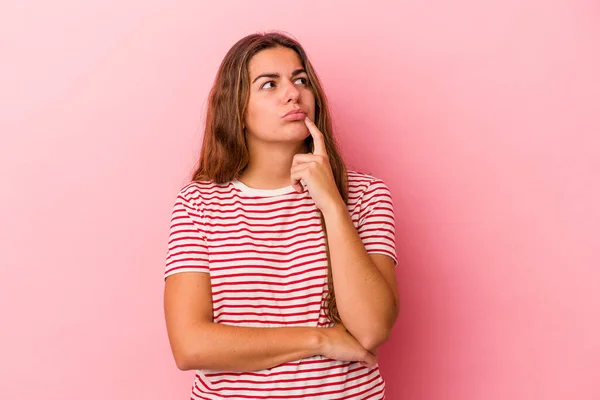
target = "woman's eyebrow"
x: 276, y: 76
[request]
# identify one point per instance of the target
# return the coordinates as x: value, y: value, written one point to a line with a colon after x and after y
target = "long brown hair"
x: 224, y: 154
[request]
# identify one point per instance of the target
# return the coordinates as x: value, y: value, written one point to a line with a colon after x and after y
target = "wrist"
x: 320, y: 341
x: 335, y: 209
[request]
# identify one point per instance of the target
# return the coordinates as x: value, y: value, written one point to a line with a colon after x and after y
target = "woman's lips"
x: 295, y: 116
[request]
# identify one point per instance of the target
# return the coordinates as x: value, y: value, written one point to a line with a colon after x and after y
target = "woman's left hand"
x: 315, y: 170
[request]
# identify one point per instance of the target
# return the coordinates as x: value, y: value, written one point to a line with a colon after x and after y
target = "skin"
x: 273, y: 141
x: 276, y: 145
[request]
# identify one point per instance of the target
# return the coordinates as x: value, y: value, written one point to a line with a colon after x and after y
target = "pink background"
x: 482, y: 117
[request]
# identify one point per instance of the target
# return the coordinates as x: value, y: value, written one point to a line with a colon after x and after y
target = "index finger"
x: 318, y: 142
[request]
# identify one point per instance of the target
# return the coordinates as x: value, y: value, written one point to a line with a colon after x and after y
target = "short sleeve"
x: 376, y: 224
x: 187, y: 250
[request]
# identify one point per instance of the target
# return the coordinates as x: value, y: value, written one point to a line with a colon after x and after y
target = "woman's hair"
x: 224, y: 153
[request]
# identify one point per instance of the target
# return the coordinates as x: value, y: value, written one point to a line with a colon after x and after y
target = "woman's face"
x: 285, y: 88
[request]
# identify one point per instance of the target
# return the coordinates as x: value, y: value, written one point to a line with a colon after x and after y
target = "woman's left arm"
x: 365, y: 284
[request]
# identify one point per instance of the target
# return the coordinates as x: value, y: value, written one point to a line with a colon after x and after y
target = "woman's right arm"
x: 199, y: 343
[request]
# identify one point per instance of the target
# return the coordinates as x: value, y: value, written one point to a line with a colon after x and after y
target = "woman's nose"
x: 291, y: 93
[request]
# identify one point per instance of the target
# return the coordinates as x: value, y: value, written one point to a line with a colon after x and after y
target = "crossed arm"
x: 365, y: 284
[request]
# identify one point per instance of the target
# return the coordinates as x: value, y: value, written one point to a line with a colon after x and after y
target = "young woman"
x: 279, y: 279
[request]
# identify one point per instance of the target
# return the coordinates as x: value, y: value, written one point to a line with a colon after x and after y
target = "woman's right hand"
x: 340, y: 345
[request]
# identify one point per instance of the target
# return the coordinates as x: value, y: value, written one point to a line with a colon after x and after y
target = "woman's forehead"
x: 274, y: 61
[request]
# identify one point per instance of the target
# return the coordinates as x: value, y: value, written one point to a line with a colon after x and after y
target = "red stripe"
x: 279, y: 231
x: 171, y: 255
x: 282, y: 381
x: 318, y: 238
x: 377, y: 245
x: 256, y: 240
x: 254, y: 274
x: 235, y: 290
x: 275, y: 306
x: 379, y: 229
x: 281, y: 315
x: 259, y: 211
x: 377, y: 215
x: 247, y: 300
x: 343, y: 364
x: 266, y: 321
x: 269, y: 283
x: 256, y: 218
x: 277, y: 224
x: 178, y: 239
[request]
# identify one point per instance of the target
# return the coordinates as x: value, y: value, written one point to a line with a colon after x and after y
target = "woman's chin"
x: 296, y: 128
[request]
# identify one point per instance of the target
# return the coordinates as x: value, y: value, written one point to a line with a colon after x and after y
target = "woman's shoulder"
x: 204, y: 191
x: 360, y: 179
x: 364, y: 187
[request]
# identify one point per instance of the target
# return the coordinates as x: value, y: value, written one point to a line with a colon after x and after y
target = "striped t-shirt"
x: 265, y: 252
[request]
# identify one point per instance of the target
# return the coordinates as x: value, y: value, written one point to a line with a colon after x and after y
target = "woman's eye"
x: 264, y: 84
